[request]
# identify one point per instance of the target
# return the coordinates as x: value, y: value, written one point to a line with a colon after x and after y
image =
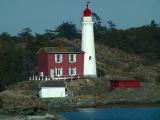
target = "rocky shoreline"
x: 26, y: 117
x: 21, y: 100
x: 48, y: 115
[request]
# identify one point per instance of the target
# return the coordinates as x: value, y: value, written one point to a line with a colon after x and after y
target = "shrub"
x: 100, y: 72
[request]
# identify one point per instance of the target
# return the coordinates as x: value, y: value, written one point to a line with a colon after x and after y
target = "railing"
x: 47, y: 78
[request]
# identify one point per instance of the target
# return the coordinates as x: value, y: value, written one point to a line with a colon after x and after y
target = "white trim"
x: 74, y: 71
x: 52, y: 72
x: 61, y: 71
x: 60, y: 59
x: 74, y: 58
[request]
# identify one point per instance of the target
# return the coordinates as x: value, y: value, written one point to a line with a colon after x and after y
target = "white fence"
x: 47, y: 78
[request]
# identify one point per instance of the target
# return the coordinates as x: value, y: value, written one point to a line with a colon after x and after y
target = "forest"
x: 18, y: 52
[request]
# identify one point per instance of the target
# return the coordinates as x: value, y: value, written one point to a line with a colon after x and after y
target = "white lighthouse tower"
x: 88, y: 44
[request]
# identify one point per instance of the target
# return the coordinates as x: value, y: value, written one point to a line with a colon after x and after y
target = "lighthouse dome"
x: 87, y: 12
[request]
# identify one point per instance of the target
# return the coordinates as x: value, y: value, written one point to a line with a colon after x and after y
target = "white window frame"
x: 74, y: 71
x: 59, y: 72
x: 58, y: 60
x: 74, y: 58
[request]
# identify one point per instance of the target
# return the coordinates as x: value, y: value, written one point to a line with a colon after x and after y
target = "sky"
x: 40, y: 15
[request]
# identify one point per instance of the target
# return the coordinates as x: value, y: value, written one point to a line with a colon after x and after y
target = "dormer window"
x: 72, y: 58
x: 58, y: 58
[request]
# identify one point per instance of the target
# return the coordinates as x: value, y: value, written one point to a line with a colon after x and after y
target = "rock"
x: 46, y: 117
x: 16, y: 102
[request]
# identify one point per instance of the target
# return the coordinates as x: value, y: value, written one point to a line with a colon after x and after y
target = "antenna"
x: 88, y: 1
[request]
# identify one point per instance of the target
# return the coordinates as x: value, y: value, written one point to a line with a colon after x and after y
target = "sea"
x: 113, y: 114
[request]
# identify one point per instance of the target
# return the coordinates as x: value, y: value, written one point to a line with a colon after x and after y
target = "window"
x: 72, y: 71
x: 90, y: 58
x: 58, y: 71
x: 72, y: 58
x: 58, y: 58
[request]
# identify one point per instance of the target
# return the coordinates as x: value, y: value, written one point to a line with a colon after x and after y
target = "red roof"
x: 87, y: 12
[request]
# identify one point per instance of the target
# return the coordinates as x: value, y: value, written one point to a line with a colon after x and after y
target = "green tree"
x: 67, y: 30
x: 99, y: 29
x: 49, y: 35
x: 6, y: 42
x: 111, y: 25
x: 153, y: 24
x: 96, y: 18
x: 25, y: 35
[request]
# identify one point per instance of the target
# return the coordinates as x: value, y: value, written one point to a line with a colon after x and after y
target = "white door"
x: 52, y: 72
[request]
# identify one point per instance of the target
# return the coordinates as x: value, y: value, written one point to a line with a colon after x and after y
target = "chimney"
x: 61, y: 45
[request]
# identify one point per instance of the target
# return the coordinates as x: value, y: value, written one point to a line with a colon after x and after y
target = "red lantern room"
x: 87, y: 11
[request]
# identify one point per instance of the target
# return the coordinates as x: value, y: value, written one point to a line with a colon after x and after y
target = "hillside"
x: 119, y: 64
x: 114, y: 63
x: 132, y: 53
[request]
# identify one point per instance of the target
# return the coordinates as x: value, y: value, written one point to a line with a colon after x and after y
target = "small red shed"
x: 60, y: 62
x: 124, y: 84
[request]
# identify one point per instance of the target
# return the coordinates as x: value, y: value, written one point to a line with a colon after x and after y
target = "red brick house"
x: 61, y: 62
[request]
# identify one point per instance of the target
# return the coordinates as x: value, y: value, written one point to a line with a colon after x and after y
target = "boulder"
x: 46, y: 117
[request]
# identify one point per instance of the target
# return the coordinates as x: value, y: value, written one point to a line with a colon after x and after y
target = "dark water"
x: 114, y: 114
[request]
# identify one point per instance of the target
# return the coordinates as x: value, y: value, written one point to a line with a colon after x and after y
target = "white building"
x: 52, y: 89
x: 88, y: 45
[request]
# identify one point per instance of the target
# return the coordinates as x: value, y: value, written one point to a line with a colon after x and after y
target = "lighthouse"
x: 88, y: 45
